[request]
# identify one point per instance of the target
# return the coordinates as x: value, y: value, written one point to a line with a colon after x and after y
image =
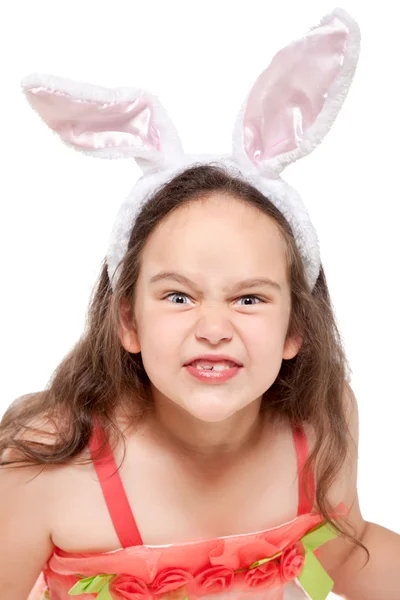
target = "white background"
x: 200, y: 58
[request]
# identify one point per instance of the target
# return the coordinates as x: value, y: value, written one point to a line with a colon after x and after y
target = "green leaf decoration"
x: 105, y: 593
x: 99, y: 584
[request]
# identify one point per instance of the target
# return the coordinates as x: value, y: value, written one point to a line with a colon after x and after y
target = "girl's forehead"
x: 220, y: 219
x: 217, y: 237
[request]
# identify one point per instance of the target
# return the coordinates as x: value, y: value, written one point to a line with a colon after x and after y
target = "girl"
x: 201, y: 437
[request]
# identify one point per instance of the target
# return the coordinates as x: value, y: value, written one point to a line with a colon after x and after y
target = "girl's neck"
x: 175, y: 428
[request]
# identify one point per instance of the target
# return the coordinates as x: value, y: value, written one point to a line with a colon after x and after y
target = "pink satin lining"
x: 92, y: 124
x: 289, y: 95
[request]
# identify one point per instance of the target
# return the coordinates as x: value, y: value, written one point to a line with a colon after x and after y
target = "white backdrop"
x: 58, y: 206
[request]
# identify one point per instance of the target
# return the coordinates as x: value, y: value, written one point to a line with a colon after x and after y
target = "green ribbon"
x: 262, y: 561
x: 99, y: 584
x: 313, y: 577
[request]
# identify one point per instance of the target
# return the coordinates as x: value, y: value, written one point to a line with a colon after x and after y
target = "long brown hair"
x: 91, y: 380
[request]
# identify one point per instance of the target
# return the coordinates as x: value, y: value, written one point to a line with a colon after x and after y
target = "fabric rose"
x: 265, y: 575
x: 292, y: 562
x: 173, y: 582
x: 254, y: 551
x: 214, y: 580
x: 129, y: 587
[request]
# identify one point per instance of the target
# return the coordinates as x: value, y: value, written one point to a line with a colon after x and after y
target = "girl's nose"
x: 214, y: 325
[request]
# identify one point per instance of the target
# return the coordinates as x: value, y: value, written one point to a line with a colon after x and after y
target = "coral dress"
x: 274, y: 564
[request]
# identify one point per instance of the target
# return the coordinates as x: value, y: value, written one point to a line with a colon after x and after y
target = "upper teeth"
x: 217, y: 366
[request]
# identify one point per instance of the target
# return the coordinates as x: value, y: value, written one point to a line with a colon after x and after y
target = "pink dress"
x: 274, y: 564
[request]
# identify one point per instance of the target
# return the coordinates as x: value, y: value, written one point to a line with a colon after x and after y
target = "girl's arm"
x: 24, y: 529
x: 379, y: 579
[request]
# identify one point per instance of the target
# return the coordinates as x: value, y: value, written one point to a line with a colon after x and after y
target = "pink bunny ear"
x: 103, y: 122
x: 294, y: 102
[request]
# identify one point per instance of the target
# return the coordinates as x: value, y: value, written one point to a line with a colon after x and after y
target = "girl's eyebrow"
x: 237, y: 287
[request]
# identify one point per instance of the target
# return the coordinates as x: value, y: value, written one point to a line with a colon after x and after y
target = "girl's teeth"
x: 214, y: 367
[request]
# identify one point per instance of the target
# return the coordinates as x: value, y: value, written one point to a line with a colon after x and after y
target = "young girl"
x: 201, y: 437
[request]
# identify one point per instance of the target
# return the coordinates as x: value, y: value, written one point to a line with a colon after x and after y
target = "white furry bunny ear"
x: 294, y: 102
x: 104, y: 122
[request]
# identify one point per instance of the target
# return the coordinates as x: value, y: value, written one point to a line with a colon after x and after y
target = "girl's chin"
x: 212, y: 412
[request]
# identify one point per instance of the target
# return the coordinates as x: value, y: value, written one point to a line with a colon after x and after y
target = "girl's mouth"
x: 212, y: 372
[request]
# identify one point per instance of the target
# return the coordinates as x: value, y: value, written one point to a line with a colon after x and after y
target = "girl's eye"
x: 181, y: 295
x: 253, y: 297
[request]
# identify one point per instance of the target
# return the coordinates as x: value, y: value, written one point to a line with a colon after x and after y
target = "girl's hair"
x: 98, y: 372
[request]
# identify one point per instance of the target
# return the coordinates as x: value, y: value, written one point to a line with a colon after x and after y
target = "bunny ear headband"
x: 286, y: 114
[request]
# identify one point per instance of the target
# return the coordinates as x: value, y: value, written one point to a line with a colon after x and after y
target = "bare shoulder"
x: 25, y: 513
x: 30, y: 497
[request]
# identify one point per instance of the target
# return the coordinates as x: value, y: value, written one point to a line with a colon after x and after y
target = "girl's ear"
x: 105, y: 122
x: 294, y: 102
x: 292, y: 346
x: 127, y: 330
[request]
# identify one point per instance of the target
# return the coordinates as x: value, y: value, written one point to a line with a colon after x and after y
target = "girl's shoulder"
x: 26, y: 494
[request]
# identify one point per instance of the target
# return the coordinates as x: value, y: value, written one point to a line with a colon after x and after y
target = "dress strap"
x: 114, y: 492
x: 306, y: 503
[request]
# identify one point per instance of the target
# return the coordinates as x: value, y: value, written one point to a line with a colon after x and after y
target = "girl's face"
x: 216, y: 243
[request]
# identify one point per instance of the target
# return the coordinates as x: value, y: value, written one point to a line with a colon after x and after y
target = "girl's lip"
x: 211, y: 376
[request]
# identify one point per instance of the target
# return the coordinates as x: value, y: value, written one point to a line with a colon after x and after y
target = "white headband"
x: 286, y: 114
